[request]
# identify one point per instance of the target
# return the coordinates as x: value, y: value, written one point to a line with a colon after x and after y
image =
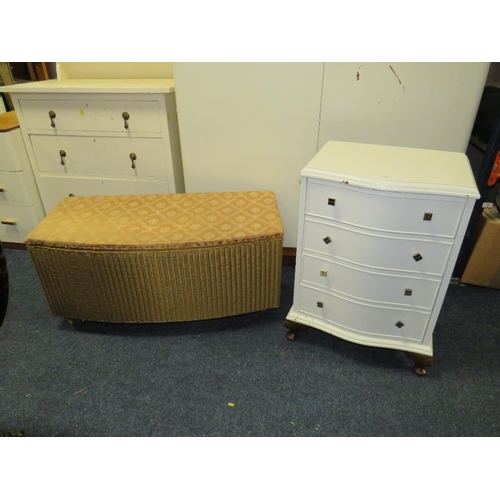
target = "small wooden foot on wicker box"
x: 160, y: 258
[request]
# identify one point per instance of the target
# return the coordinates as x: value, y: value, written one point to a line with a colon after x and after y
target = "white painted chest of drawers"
x: 20, y: 205
x: 92, y: 137
x: 380, y: 229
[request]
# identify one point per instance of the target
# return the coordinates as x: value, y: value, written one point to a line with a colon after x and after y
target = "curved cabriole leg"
x: 293, y: 328
x: 421, y: 362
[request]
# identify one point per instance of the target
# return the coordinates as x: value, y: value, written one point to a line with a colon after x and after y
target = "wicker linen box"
x: 160, y: 258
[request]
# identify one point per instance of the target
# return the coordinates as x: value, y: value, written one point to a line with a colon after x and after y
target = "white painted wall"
x: 256, y: 125
x: 420, y: 105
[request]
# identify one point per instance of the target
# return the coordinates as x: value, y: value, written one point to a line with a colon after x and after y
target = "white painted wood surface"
x: 381, y: 283
x: 91, y: 115
x: 19, y: 197
x: 90, y: 131
x: 55, y: 187
x: 95, y: 86
x: 108, y: 156
x: 13, y: 189
x: 394, y: 169
x: 370, y: 285
x: 383, y: 210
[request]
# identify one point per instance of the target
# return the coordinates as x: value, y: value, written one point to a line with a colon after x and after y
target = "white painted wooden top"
x: 95, y: 86
x: 391, y: 168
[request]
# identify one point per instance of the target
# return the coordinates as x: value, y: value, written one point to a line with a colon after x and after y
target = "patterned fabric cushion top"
x: 160, y: 220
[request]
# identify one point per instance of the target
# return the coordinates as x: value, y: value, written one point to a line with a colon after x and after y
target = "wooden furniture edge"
x: 17, y: 246
x: 289, y: 255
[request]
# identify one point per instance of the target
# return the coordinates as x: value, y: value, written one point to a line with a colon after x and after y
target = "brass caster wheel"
x: 291, y: 335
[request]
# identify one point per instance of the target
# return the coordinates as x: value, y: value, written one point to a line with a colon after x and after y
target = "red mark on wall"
x: 392, y: 69
x: 357, y: 72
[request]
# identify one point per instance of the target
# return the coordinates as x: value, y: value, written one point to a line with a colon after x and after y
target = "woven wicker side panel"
x: 161, y: 285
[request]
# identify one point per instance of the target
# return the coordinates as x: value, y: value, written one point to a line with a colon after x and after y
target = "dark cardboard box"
x: 483, y: 268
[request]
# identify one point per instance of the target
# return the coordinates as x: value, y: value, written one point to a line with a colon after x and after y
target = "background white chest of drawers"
x: 92, y: 137
x: 20, y: 206
x: 380, y: 229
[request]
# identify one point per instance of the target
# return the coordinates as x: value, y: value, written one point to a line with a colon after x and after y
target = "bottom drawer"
x: 16, y: 223
x: 362, y: 319
x: 53, y: 189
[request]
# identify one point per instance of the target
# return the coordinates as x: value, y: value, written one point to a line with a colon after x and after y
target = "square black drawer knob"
x: 427, y: 216
x: 319, y: 304
x: 417, y: 257
x: 408, y: 291
x: 400, y: 324
x: 327, y: 240
x: 331, y: 201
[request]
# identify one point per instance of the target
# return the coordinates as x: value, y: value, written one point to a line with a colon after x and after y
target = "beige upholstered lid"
x: 160, y: 220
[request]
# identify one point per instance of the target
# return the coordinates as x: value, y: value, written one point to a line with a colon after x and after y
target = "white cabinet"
x: 92, y: 137
x: 380, y: 228
x: 20, y: 206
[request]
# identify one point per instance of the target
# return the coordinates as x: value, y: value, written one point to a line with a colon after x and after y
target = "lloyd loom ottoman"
x: 160, y: 258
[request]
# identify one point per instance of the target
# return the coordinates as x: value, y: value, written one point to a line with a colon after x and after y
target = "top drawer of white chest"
x: 385, y: 211
x: 91, y: 114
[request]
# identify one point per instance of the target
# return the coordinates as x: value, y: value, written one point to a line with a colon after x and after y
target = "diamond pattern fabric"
x: 160, y: 221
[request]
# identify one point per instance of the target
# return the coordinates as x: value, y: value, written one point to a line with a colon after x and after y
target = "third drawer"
x: 54, y: 188
x: 13, y: 189
x: 370, y: 285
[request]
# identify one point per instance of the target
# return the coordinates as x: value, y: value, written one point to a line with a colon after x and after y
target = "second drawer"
x: 118, y: 156
x: 377, y: 251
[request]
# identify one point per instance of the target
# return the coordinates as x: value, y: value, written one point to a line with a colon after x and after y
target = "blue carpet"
x: 179, y: 379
